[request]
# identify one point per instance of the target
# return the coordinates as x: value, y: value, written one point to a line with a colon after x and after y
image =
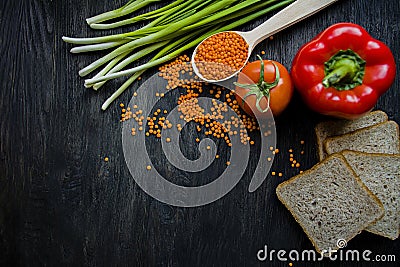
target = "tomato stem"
x: 262, y: 88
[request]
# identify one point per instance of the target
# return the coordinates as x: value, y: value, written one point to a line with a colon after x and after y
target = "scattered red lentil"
x: 215, y: 123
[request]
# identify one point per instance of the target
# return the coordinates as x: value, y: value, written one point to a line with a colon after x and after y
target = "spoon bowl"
x: 211, y: 64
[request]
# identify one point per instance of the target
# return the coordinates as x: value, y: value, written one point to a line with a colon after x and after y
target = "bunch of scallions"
x: 171, y: 30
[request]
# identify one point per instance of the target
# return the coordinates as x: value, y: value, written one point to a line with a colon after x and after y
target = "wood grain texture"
x: 61, y: 204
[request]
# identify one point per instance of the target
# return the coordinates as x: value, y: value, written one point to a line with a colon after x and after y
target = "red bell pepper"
x: 343, y: 71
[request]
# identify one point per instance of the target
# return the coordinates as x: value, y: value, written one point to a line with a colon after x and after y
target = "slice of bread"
x: 330, y: 203
x: 381, y: 174
x: 380, y: 138
x: 332, y: 128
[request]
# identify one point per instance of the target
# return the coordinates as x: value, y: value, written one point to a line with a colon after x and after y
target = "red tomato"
x: 274, y: 91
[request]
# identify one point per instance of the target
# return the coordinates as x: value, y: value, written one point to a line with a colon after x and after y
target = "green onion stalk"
x: 171, y: 30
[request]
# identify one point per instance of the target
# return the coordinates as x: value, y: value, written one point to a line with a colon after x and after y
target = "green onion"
x: 129, y: 60
x: 108, y: 67
x: 174, y: 28
x: 130, y: 7
x: 160, y: 35
x: 94, y: 23
x: 96, y: 47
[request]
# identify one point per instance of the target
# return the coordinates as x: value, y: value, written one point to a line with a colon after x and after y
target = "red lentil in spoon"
x: 221, y: 55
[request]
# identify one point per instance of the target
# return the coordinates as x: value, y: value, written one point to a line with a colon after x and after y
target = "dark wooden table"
x: 61, y: 204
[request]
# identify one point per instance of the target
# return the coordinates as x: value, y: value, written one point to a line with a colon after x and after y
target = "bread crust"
x: 330, y: 140
x: 322, y: 137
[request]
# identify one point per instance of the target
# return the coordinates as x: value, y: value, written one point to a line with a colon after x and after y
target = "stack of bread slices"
x: 355, y: 186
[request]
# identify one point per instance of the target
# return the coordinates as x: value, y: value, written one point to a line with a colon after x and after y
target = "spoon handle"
x: 293, y: 13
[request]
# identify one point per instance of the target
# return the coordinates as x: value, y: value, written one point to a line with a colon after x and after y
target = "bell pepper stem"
x: 344, y: 70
